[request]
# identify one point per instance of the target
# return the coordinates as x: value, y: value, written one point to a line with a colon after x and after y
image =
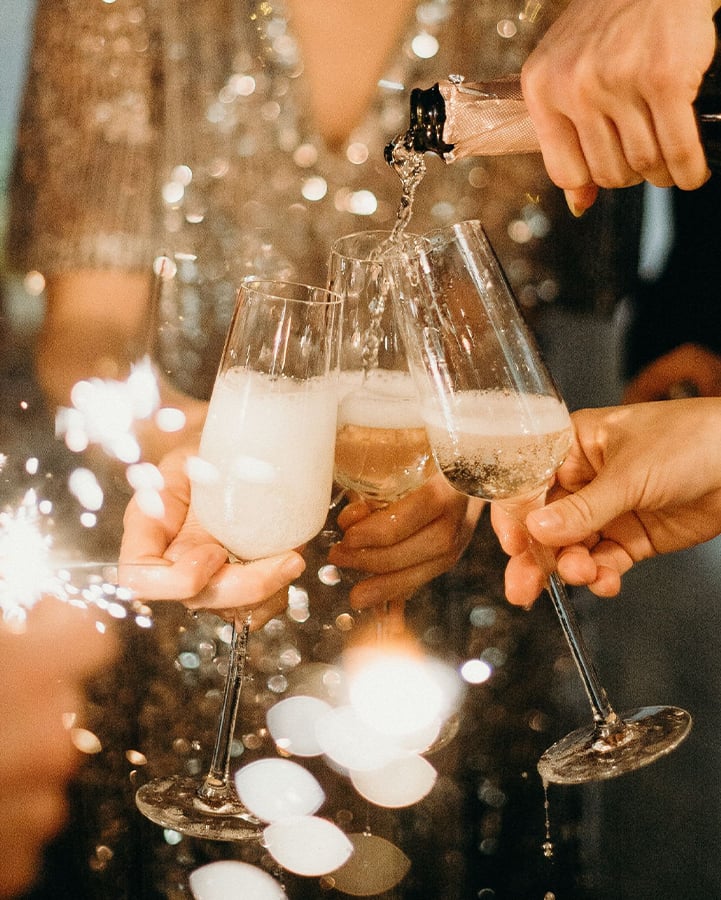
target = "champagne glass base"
x: 644, y: 735
x: 174, y: 803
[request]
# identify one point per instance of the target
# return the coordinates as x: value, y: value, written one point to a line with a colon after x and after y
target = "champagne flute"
x: 382, y: 451
x: 499, y: 430
x: 261, y: 485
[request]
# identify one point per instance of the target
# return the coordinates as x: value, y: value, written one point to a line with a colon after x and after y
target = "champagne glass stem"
x: 606, y: 720
x: 217, y: 784
x: 603, y: 713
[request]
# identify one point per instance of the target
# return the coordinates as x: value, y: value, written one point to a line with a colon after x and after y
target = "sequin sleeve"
x: 82, y: 189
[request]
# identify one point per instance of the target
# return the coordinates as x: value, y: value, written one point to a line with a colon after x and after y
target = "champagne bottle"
x: 455, y: 119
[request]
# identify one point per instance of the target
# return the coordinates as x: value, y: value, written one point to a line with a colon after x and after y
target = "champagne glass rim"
x: 290, y: 291
x: 455, y: 227
x: 369, y: 241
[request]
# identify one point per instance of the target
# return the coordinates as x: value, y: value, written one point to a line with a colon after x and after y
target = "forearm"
x: 97, y: 326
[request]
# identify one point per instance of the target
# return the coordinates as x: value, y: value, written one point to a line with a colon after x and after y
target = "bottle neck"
x: 428, y: 117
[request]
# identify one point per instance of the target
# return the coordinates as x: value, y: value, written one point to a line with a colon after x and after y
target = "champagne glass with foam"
x: 261, y: 484
x: 499, y: 430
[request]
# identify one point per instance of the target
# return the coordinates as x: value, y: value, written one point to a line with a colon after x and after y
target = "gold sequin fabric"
x: 169, y: 126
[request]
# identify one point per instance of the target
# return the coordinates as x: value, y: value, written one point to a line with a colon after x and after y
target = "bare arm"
x: 96, y: 326
x: 43, y: 675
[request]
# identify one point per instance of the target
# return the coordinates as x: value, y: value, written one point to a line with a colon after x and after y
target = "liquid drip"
x: 547, y: 845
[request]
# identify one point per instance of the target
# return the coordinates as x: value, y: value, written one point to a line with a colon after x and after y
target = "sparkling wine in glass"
x: 499, y: 430
x: 382, y: 450
x: 261, y: 485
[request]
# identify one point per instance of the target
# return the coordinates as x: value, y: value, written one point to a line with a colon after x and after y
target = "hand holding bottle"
x: 610, y: 90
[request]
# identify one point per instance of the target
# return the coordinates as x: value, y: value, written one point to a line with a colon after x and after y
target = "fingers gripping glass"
x: 261, y: 485
x: 499, y: 430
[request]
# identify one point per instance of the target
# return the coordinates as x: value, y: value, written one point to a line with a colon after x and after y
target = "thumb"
x: 577, y: 516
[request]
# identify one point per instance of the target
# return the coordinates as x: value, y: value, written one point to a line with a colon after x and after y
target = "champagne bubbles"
x: 222, y: 880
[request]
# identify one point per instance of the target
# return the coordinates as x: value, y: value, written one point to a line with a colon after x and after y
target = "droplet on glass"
x: 329, y: 575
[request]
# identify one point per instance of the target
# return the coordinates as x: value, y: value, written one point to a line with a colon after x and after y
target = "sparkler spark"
x: 24, y: 557
x: 104, y: 412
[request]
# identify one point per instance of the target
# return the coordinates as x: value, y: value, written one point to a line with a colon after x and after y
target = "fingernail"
x: 217, y: 556
x: 547, y: 518
x: 576, y: 211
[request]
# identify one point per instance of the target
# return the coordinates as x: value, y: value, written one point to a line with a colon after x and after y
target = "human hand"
x: 610, y: 90
x: 406, y: 544
x: 638, y: 481
x: 689, y: 367
x: 41, y: 696
x: 174, y: 558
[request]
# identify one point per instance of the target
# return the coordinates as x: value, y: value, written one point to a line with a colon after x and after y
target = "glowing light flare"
x: 85, y: 741
x: 425, y: 46
x: 85, y: 488
x: 231, y: 878
x: 375, y: 867
x: 104, y: 412
x: 292, y: 724
x: 24, y: 557
x: 307, y: 845
x: 400, y: 693
x: 147, y: 481
x: 402, y: 782
x: 351, y: 743
x: 169, y: 419
x: 476, y: 671
x: 274, y: 789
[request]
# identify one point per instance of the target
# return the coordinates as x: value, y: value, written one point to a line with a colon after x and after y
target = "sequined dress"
x: 148, y: 130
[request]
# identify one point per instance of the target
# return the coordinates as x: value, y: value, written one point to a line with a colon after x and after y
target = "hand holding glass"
x: 382, y: 451
x: 499, y: 430
x: 261, y: 485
